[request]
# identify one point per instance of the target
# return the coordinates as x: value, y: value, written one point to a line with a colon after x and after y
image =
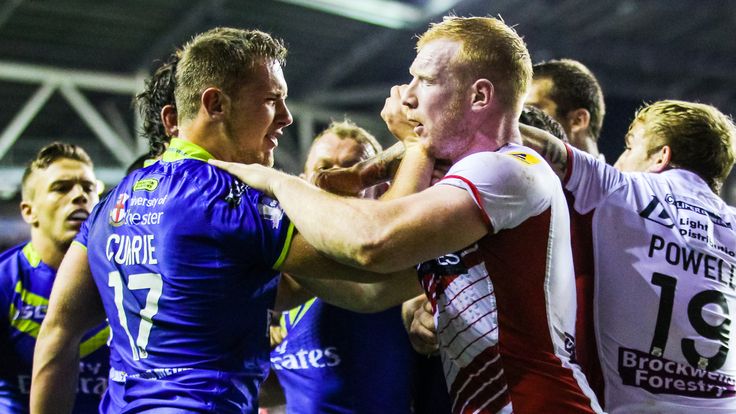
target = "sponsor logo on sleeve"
x: 270, y: 210
x: 524, y: 157
x: 146, y: 184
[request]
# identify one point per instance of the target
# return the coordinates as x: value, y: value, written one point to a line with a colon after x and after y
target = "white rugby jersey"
x: 505, y: 306
x: 665, y: 252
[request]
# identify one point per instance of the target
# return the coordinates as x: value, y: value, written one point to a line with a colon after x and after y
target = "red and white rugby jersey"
x: 665, y: 265
x: 505, y: 306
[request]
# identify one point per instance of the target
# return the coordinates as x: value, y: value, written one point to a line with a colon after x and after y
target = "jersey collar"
x: 31, y: 255
x: 180, y: 149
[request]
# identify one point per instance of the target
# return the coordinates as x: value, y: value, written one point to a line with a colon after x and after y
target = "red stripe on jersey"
x: 476, y: 195
x: 568, y: 173
x: 581, y: 235
x: 480, y: 337
x: 538, y: 382
x: 480, y: 385
x: 459, y: 314
x: 470, y: 285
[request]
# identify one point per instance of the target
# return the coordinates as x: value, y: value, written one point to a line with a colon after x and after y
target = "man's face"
x: 259, y: 115
x: 61, y: 198
x: 330, y: 151
x: 539, y: 97
x: 434, y: 98
x: 635, y: 157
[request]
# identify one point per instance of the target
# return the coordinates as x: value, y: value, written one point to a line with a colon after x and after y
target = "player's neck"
x: 48, y: 250
x: 209, y: 135
x: 585, y: 143
x: 495, y: 134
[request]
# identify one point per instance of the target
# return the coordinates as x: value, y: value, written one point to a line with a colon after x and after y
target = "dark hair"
x: 50, y: 154
x: 537, y: 118
x: 573, y: 87
x: 158, y: 92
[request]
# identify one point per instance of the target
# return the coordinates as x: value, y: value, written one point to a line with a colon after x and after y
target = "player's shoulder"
x: 11, y: 270
x: 9, y: 258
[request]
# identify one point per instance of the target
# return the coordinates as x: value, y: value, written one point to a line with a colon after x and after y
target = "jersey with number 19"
x: 183, y: 256
x: 665, y: 257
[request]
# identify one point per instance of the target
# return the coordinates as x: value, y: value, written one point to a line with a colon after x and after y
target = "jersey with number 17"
x: 183, y: 257
x: 664, y: 248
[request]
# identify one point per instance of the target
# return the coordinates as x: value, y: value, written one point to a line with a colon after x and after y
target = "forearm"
x: 367, y: 173
x: 360, y: 233
x: 55, y: 371
x: 548, y: 146
x: 413, y: 175
x: 365, y: 297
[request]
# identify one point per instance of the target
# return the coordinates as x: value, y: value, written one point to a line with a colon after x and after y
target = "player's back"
x: 665, y: 267
x: 666, y: 300
x: 182, y: 255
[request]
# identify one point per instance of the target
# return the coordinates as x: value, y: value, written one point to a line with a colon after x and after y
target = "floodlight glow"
x: 386, y: 13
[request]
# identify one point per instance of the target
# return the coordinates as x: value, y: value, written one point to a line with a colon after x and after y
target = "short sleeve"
x: 591, y: 180
x: 252, y: 224
x: 509, y: 187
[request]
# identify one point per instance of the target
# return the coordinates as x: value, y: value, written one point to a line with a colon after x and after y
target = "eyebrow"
x: 71, y: 180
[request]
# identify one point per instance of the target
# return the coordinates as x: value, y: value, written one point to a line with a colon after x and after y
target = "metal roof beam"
x: 95, y: 81
x: 24, y: 117
x: 107, y: 135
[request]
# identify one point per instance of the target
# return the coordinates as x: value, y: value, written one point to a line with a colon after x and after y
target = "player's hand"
x: 394, y: 114
x: 339, y: 180
x: 255, y: 175
x: 420, y: 323
x: 276, y: 335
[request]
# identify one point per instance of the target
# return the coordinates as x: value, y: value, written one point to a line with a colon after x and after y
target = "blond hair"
x: 221, y: 57
x: 48, y: 155
x: 347, y: 129
x: 489, y: 49
x: 700, y: 136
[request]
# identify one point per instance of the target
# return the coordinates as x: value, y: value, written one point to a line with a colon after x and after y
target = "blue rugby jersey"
x: 336, y: 361
x: 25, y: 286
x: 183, y: 256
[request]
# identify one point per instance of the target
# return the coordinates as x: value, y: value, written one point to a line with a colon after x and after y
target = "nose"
x: 283, y: 117
x: 409, y: 98
x: 79, y: 195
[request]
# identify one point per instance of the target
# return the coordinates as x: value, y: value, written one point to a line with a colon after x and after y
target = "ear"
x: 214, y: 102
x: 482, y: 90
x: 578, y: 119
x: 661, y: 160
x: 169, y: 120
x: 28, y: 213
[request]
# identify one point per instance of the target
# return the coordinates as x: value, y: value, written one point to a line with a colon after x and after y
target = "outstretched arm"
x: 338, y: 284
x: 548, y: 146
x: 382, y: 236
x: 74, y: 308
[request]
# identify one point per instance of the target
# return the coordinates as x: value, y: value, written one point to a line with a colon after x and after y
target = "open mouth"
x: 78, y: 215
x: 274, y: 138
